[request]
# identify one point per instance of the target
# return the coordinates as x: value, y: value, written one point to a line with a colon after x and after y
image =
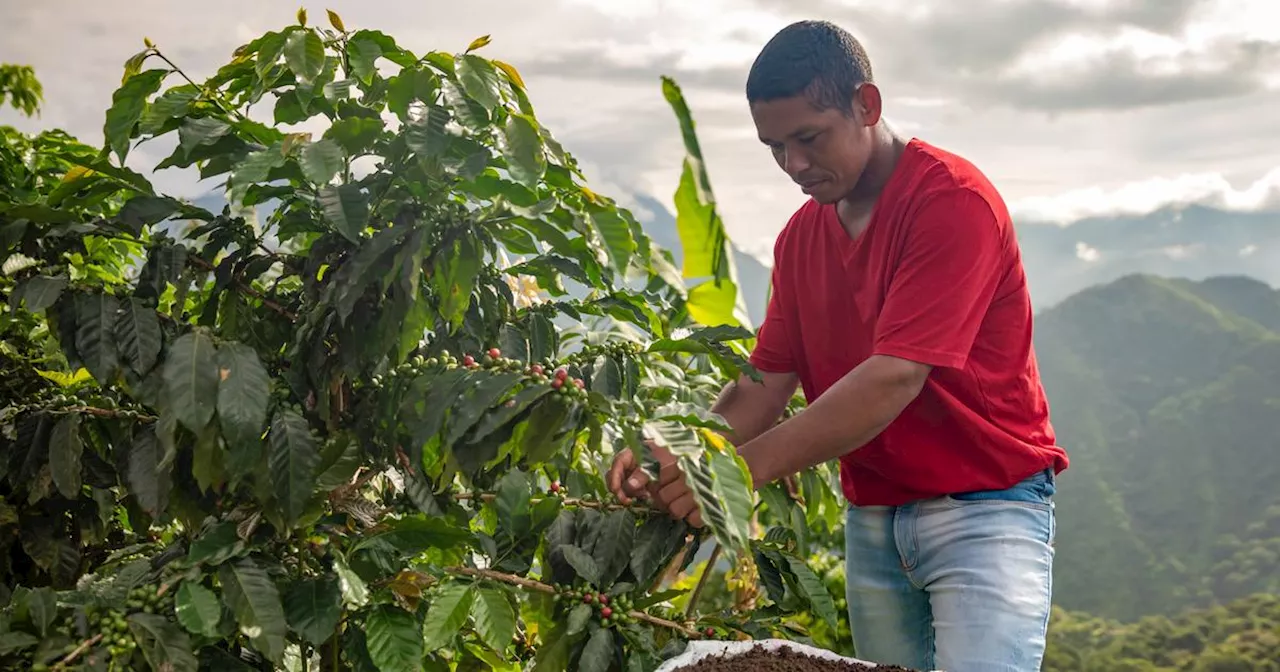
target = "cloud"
x: 1055, y: 55
x: 1142, y: 197
x: 1021, y: 87
x: 1101, y: 74
x: 1086, y: 253
x: 1180, y: 252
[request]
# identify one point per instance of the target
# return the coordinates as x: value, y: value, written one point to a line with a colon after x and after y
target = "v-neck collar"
x: 831, y: 215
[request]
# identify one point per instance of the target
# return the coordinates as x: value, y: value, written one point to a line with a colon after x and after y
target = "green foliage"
x: 707, y: 256
x: 1241, y: 635
x: 351, y: 431
x: 19, y: 85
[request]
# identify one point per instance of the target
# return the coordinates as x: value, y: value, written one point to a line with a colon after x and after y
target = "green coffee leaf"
x: 446, y: 615
x: 346, y: 209
x: 813, y: 590
x: 523, y: 151
x: 197, y: 131
x: 355, y: 593
x: 494, y: 617
x: 138, y: 335
x: 248, y: 591
x: 127, y: 105
x: 191, y: 380
x: 163, y: 644
x: 321, y: 160
x: 244, y: 393
x: 313, y: 608
x: 292, y: 461
x: 579, y: 616
x: 582, y: 563
x: 197, y: 609
x: 479, y: 80
x: 149, y: 482
x: 65, y: 448
x: 612, y: 552
x: 39, y: 292
x: 414, y: 535
x: 144, y: 210
x: 597, y: 656
x: 95, y: 339
x: 395, y: 639
x: 304, y: 54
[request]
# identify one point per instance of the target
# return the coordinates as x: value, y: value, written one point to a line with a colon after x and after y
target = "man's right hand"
x: 627, y: 481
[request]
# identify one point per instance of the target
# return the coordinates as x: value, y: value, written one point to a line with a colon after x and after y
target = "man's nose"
x: 795, y: 162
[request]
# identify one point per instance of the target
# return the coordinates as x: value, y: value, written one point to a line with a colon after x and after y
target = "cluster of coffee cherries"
x: 111, y: 622
x: 54, y: 399
x: 559, y: 378
x: 614, y: 349
x: 610, y: 610
x: 538, y: 372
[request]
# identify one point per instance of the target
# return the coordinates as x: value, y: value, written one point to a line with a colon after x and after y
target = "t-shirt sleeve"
x: 773, y: 341
x: 952, y: 260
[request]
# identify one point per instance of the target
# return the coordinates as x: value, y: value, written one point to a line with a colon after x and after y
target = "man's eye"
x: 808, y: 139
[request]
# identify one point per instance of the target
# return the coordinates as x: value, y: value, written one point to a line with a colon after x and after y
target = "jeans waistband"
x: 1038, y: 487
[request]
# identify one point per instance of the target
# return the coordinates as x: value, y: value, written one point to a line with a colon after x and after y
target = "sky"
x: 1072, y: 107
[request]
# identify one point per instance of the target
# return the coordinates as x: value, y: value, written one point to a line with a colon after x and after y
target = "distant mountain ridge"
x: 1166, y: 395
x: 1193, y: 242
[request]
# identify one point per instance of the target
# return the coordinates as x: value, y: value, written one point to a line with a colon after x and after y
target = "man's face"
x: 823, y: 151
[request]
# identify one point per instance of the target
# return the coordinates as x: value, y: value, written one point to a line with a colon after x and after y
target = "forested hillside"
x: 1243, y: 636
x: 1166, y: 393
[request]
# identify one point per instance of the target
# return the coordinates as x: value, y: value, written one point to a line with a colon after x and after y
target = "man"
x: 900, y: 305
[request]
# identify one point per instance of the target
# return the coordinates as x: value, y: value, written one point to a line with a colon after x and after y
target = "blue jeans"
x: 960, y: 583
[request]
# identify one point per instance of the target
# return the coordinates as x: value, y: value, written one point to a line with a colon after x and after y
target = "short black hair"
x: 816, y: 58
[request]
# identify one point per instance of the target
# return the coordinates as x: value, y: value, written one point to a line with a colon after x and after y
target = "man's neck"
x: 855, y: 208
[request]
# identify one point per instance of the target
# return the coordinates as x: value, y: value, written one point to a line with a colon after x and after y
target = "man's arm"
x: 751, y: 408
x: 851, y: 413
x: 879, y: 388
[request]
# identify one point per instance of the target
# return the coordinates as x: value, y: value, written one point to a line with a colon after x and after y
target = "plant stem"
x: 568, y: 501
x: 89, y: 410
x: 108, y: 413
x: 217, y: 100
x: 79, y: 650
x: 538, y: 586
x: 702, y: 581
x: 246, y: 289
x: 512, y: 579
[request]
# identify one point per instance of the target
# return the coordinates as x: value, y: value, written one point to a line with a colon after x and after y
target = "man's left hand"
x: 671, y: 493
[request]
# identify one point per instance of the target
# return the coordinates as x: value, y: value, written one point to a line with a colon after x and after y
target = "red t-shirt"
x: 936, y: 277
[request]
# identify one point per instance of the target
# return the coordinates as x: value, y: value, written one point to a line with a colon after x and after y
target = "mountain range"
x: 1166, y: 395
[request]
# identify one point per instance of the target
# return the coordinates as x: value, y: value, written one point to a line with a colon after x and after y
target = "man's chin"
x: 823, y: 192
x: 824, y: 196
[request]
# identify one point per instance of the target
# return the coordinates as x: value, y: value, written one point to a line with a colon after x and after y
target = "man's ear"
x: 867, y: 103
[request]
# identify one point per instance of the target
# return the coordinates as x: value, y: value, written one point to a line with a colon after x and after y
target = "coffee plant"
x: 359, y: 417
